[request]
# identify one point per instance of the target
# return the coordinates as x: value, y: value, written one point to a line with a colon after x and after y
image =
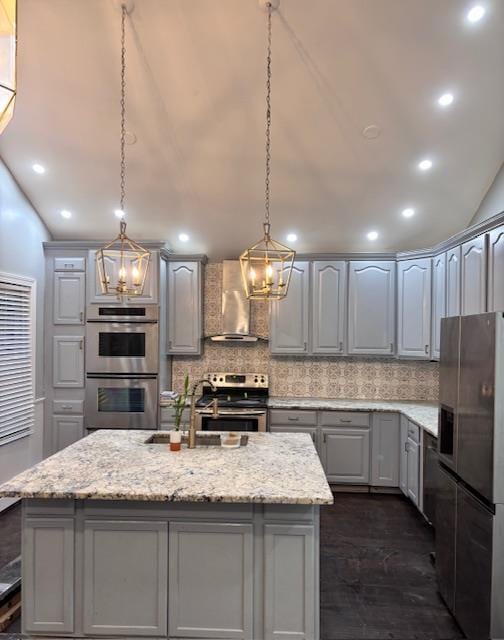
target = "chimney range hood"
x: 235, y: 306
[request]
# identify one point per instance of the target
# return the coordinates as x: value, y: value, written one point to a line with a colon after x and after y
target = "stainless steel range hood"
x: 235, y: 306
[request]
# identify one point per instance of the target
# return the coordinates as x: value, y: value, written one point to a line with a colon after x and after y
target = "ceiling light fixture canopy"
x: 123, y: 264
x: 266, y: 266
x: 7, y: 60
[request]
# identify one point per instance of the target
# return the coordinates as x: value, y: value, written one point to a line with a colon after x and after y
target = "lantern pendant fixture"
x: 266, y: 267
x: 7, y: 61
x: 123, y: 264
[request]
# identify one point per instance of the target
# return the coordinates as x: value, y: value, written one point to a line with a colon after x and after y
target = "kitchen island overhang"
x: 141, y: 542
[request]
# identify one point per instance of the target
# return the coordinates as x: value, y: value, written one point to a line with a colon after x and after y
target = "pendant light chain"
x: 123, y: 108
x: 268, y: 122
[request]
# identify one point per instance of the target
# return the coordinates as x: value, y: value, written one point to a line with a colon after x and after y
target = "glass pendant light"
x: 7, y: 61
x: 267, y: 266
x: 123, y: 264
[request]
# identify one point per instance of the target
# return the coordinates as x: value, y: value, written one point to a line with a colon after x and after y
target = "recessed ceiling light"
x: 408, y: 213
x: 38, y: 168
x: 475, y: 13
x: 291, y: 237
x: 425, y: 165
x: 65, y: 213
x: 183, y: 237
x: 445, y: 100
x: 119, y: 213
x: 372, y: 235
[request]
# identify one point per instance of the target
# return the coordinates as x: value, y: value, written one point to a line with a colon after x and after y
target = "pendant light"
x: 123, y: 264
x: 267, y: 266
x: 7, y: 61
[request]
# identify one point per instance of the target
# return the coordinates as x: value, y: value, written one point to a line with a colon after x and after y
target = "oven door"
x: 122, y: 347
x: 228, y: 422
x: 121, y: 402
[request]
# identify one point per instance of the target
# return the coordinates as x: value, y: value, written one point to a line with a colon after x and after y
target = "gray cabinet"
x: 69, y: 297
x: 66, y: 430
x: 414, y: 308
x: 328, y: 307
x: 371, y: 308
x: 385, y: 450
x: 125, y: 578
x: 211, y: 580
x: 453, y: 282
x: 289, y: 582
x: 184, y: 302
x: 496, y: 269
x: 413, y: 463
x: 473, y: 276
x: 438, y: 302
x: 403, y: 455
x: 68, y: 361
x: 345, y: 454
x: 289, y: 317
x: 48, y: 576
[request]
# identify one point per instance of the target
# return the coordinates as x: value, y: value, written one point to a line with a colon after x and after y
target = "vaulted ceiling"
x: 196, y: 84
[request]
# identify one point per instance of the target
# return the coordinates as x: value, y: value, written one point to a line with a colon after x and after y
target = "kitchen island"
x: 121, y: 537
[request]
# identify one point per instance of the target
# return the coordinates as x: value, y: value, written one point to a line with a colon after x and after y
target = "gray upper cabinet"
x: 496, y: 270
x: 453, y: 282
x: 371, y: 308
x: 68, y: 361
x: 328, y: 307
x: 289, y: 317
x: 473, y: 276
x: 438, y: 302
x: 184, y: 302
x: 69, y: 297
x: 385, y: 450
x: 414, y: 308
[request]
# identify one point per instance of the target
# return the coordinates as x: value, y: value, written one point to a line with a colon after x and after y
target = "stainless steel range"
x: 242, y: 400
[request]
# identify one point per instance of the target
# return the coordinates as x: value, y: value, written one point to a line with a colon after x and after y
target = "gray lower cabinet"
x: 328, y: 304
x: 453, y: 282
x: 289, y: 582
x: 385, y: 450
x: 211, y: 580
x: 438, y: 302
x: 413, y: 463
x: 414, y: 308
x: 66, y: 430
x: 345, y: 454
x: 403, y: 455
x: 48, y: 575
x: 125, y: 578
x: 184, y: 308
x: 69, y: 297
x: 473, y: 276
x: 289, y: 331
x: 68, y: 362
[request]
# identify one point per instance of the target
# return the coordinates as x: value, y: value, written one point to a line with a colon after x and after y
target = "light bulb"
x: 253, y: 277
x: 269, y: 271
x: 122, y: 273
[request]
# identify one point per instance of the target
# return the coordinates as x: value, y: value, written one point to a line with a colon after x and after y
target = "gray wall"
x: 493, y: 202
x: 21, y: 235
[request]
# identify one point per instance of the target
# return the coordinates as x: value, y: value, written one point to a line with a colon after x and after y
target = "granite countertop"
x: 424, y: 414
x: 118, y: 465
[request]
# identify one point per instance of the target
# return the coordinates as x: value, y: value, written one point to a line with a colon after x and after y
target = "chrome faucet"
x: 192, y: 417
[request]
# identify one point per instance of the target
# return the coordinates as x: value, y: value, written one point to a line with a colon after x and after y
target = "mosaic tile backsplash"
x: 299, y: 376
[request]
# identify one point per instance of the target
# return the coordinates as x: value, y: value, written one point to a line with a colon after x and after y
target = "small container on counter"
x: 230, y: 440
x: 175, y: 440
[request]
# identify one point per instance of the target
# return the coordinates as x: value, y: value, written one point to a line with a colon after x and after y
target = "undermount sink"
x: 202, y: 439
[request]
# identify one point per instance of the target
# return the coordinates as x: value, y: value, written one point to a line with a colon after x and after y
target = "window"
x: 17, y: 356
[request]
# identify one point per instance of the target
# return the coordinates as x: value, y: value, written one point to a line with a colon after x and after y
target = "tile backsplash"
x: 319, y: 377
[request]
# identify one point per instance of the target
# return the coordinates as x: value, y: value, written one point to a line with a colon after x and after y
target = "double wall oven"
x: 122, y: 356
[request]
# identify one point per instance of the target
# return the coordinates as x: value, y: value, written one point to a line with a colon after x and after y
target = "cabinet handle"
x: 66, y: 407
x: 345, y: 419
x: 392, y: 346
x: 81, y: 316
x: 426, y: 348
x: 325, y: 437
x: 81, y: 344
x: 406, y: 446
x: 69, y: 265
x: 305, y: 346
x: 341, y: 346
x: 293, y: 419
x: 313, y: 437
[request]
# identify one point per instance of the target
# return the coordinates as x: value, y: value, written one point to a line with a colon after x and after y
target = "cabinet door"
x: 496, y: 270
x: 68, y: 361
x: 414, y: 308
x: 403, y: 456
x: 69, y: 298
x: 66, y: 431
x: 438, y: 302
x: 184, y: 308
x: 385, y: 450
x: 453, y: 282
x: 312, y: 431
x: 371, y: 308
x: 289, y: 582
x: 346, y: 455
x: 125, y: 578
x: 211, y: 580
x: 413, y: 470
x: 289, y: 317
x: 328, y: 307
x: 473, y: 276
x: 48, y: 575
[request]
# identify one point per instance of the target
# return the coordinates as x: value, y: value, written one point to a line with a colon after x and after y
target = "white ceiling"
x: 196, y: 105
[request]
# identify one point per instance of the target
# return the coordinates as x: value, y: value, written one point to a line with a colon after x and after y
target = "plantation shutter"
x: 16, y: 357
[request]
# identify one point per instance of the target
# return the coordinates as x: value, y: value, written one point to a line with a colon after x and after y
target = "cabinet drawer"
x: 345, y: 418
x: 280, y: 416
x: 69, y: 264
x: 413, y: 432
x: 68, y: 406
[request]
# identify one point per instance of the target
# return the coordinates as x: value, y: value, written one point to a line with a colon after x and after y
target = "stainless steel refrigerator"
x: 470, y: 500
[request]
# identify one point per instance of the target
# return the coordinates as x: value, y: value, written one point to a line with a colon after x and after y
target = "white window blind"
x: 17, y: 343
